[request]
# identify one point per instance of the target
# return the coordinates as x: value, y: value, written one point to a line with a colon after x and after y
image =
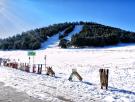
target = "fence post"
x: 0, y: 61
x: 34, y: 68
x: 23, y: 67
x: 104, y: 73
x: 75, y: 73
x: 45, y: 62
x: 39, y: 68
x: 15, y: 65
x: 27, y: 67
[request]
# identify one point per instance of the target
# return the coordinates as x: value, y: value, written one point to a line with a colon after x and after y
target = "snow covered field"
x: 119, y: 60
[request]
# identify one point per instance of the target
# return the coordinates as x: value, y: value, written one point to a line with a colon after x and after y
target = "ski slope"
x: 77, y: 29
x: 54, y: 40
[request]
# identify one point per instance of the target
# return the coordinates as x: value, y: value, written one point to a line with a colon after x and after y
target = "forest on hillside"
x: 92, y: 35
x: 98, y: 35
x: 32, y: 39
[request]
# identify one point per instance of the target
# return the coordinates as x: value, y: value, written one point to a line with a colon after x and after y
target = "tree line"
x: 67, y: 31
x: 32, y: 39
x: 92, y: 35
x: 97, y: 35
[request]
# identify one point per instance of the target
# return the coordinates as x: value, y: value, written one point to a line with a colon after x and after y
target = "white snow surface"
x: 77, y: 29
x: 119, y: 60
x: 54, y: 40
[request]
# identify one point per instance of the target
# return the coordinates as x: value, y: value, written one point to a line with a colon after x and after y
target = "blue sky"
x: 116, y: 13
x: 22, y: 15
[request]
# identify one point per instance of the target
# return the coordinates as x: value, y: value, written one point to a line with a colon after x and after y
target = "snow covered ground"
x: 119, y: 60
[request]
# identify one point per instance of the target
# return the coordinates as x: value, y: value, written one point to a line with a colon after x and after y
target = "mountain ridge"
x: 92, y: 35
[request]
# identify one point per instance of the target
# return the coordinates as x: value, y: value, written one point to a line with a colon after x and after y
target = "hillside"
x: 98, y: 35
x: 91, y: 35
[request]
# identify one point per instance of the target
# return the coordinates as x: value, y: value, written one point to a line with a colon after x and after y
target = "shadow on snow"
x: 112, y: 89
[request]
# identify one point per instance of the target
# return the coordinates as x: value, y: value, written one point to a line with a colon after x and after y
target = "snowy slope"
x: 54, y: 40
x: 120, y: 61
x: 77, y: 29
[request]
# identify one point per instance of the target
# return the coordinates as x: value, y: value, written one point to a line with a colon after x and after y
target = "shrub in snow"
x: 50, y: 71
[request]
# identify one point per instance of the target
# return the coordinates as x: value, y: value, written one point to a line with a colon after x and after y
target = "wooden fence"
x: 38, y: 68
